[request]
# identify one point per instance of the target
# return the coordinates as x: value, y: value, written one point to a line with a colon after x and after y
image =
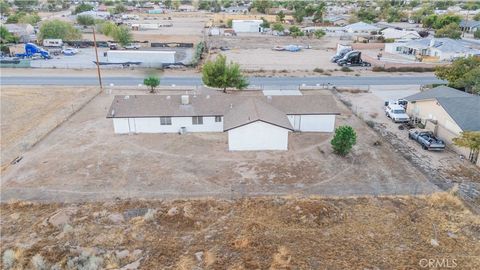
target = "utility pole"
x: 96, y: 56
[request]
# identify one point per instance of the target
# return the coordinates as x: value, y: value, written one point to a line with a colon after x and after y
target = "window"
x: 166, y: 121
x: 218, y: 119
x: 197, y: 120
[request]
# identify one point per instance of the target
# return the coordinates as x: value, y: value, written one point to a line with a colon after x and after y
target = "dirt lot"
x: 275, y: 233
x: 29, y: 113
x: 100, y: 165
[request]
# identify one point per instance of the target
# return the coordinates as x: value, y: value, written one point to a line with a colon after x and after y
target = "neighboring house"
x: 252, y: 123
x: 360, y: 28
x: 432, y: 49
x: 25, y: 32
x: 447, y: 112
x: 186, y: 8
x: 392, y: 33
x: 469, y: 26
x: 337, y: 20
x: 238, y: 9
x: 95, y: 14
x: 247, y: 26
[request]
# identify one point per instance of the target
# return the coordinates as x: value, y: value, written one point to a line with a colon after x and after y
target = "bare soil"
x: 255, y: 233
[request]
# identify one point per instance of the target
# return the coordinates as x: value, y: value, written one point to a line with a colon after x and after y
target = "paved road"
x: 282, y: 82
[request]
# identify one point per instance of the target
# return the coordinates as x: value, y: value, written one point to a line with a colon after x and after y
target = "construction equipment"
x: 32, y: 50
x: 353, y: 59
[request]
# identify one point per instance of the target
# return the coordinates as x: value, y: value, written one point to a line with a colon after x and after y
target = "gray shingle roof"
x: 465, y: 111
x: 442, y: 44
x: 469, y: 23
x: 437, y: 92
x: 252, y: 110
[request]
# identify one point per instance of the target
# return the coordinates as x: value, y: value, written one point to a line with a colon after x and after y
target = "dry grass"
x: 260, y: 233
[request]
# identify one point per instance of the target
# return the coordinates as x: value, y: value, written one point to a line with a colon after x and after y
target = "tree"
x: 262, y: 5
x: 23, y: 17
x: 85, y: 20
x: 58, y: 29
x: 343, y: 140
x: 299, y: 14
x: 319, y: 12
x: 176, y: 4
x: 452, y: 31
x: 281, y: 16
x: 122, y: 35
x: 463, y: 74
x: 295, y: 31
x: 107, y: 28
x: 82, y: 8
x: 25, y: 5
x: 7, y: 37
x: 477, y: 17
x: 229, y: 23
x: 470, y: 140
x: 152, y: 82
x: 367, y: 15
x: 265, y: 23
x: 221, y: 74
x: 476, y: 34
x: 439, y: 21
x: 4, y: 8
x: 278, y: 27
x: 319, y: 33
x: 120, y: 8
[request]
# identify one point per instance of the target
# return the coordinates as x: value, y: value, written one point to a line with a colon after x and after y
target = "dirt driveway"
x: 84, y: 160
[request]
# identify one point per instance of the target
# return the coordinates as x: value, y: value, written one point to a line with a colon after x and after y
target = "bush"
x: 38, y: 262
x: 8, y: 258
x: 199, y: 49
x: 58, y: 29
x: 318, y: 70
x: 346, y: 69
x: 344, y: 139
x: 85, y: 20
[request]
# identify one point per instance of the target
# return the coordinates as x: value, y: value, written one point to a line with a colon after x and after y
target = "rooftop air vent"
x: 185, y: 100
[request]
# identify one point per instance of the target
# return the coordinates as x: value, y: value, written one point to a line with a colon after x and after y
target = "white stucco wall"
x: 258, y: 136
x: 312, y: 123
x: 152, y: 125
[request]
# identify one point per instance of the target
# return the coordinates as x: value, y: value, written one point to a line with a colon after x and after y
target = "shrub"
x: 346, y: 69
x: 38, y: 262
x: 318, y: 70
x: 344, y: 139
x: 152, y: 82
x: 8, y: 258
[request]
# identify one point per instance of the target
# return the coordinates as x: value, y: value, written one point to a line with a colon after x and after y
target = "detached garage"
x: 256, y: 125
x: 247, y: 26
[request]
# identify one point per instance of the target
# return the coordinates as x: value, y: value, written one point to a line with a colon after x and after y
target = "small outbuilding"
x: 247, y: 26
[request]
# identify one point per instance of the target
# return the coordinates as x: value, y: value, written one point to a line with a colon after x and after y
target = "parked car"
x: 113, y: 46
x: 401, y: 102
x: 131, y: 47
x: 426, y: 139
x: 353, y: 59
x: 396, y: 113
x: 69, y: 51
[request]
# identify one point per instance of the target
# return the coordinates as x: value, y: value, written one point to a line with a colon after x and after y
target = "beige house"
x: 447, y: 112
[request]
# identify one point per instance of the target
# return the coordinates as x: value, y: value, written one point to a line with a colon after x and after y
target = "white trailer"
x: 145, y: 58
x: 52, y: 42
x: 247, y: 26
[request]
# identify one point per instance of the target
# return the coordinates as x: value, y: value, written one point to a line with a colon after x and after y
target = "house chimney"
x: 185, y: 100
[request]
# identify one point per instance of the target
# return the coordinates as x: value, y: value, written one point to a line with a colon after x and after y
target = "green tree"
x: 439, y: 21
x: 477, y: 17
x: 168, y: 3
x: 221, y: 74
x: 367, y: 15
x: 229, y: 23
x: 119, y: 8
x: 278, y: 27
x: 319, y: 33
x: 122, y: 35
x: 343, y: 140
x: 319, y: 12
x: 262, y: 5
x: 281, y: 16
x: 82, y: 8
x: 7, y: 37
x: 4, y: 8
x: 299, y: 14
x: 470, y: 140
x: 265, y: 23
x: 176, y: 4
x: 58, y: 29
x: 23, y: 17
x: 476, y: 34
x: 85, y: 20
x: 449, y: 31
x: 25, y: 5
x: 152, y: 82
x: 295, y: 31
x: 463, y: 74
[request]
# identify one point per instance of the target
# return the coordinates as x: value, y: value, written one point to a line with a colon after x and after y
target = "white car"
x: 132, y: 47
x: 70, y: 51
x: 396, y: 113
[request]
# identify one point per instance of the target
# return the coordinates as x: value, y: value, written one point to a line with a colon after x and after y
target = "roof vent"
x: 168, y: 97
x: 126, y: 97
x: 185, y: 100
x: 113, y: 112
x: 231, y: 106
x: 208, y: 96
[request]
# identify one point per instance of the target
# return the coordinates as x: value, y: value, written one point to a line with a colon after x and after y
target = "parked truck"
x: 353, y: 59
x: 32, y: 50
x: 427, y: 140
x: 143, y: 58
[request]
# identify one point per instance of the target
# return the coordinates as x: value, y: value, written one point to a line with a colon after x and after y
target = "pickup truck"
x: 426, y: 139
x: 397, y: 113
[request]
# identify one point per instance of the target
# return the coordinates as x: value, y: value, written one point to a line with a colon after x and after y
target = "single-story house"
x: 447, y: 112
x: 186, y: 8
x: 252, y: 122
x: 247, y: 26
x: 24, y: 31
x: 360, y: 28
x: 337, y: 20
x: 236, y: 9
x: 432, y: 49
x: 469, y: 26
x: 392, y: 33
x: 95, y: 14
